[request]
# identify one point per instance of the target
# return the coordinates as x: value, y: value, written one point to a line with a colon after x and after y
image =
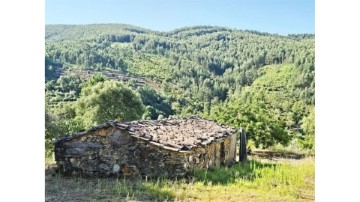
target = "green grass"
x: 277, y: 76
x: 152, y: 66
x: 252, y: 181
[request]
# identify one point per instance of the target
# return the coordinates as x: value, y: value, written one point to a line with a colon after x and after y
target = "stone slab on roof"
x: 172, y: 134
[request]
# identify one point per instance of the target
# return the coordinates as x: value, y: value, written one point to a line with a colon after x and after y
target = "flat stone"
x: 116, y: 168
x: 83, y: 145
x: 104, y: 167
x: 75, y: 151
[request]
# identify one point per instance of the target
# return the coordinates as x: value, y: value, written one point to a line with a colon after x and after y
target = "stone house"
x: 168, y: 148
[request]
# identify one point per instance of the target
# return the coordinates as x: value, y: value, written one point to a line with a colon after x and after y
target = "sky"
x: 273, y: 16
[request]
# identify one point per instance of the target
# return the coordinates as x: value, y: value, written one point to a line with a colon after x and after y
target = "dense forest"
x: 264, y: 83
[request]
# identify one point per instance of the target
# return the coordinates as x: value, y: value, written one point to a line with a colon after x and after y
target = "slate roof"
x: 178, y: 134
x: 172, y: 134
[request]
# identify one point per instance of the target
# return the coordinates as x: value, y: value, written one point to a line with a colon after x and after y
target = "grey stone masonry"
x: 161, y: 148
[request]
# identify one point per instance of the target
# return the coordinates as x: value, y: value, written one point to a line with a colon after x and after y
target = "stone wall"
x: 107, y: 151
x: 213, y: 155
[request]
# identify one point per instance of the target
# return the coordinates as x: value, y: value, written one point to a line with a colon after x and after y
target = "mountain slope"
x: 196, y: 69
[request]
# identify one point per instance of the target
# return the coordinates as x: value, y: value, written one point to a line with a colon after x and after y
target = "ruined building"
x: 169, y: 148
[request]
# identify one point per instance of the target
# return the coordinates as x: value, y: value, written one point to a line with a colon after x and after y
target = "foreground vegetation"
x: 257, y: 180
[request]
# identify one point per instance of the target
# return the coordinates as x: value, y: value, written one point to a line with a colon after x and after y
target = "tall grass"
x: 252, y: 181
x: 282, y: 180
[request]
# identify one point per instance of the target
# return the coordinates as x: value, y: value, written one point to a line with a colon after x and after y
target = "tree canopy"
x: 108, y: 100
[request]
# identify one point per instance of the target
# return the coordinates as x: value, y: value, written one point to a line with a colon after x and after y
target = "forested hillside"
x: 261, y: 82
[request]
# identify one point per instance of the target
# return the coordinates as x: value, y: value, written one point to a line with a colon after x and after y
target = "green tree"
x: 308, y: 126
x: 108, y: 100
x: 259, y: 121
x: 59, y: 121
x: 155, y: 103
x: 95, y: 79
x: 69, y: 83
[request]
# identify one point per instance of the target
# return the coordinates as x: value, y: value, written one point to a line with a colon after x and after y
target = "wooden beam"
x: 242, y: 149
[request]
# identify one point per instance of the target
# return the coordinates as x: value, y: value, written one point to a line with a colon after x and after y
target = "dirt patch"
x: 274, y: 154
x: 266, y: 156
